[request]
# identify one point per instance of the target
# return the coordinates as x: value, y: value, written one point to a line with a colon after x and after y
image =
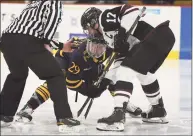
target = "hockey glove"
x: 91, y: 90
x: 95, y: 92
x: 77, y: 42
x: 120, y: 42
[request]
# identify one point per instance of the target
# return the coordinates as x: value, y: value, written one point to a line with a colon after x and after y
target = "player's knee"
x: 146, y: 79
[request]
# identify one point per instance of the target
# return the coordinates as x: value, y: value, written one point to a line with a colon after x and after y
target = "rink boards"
x: 180, y: 23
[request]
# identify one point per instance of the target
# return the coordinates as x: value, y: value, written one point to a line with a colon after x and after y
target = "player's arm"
x: 73, y: 76
x: 77, y: 80
x: 53, y: 48
x: 75, y: 69
x: 120, y: 18
x: 90, y: 76
x: 128, y: 15
x: 68, y: 46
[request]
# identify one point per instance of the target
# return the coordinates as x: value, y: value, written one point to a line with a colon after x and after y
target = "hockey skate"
x: 156, y: 114
x: 6, y: 121
x: 68, y: 125
x: 132, y: 110
x: 114, y: 122
x: 24, y: 115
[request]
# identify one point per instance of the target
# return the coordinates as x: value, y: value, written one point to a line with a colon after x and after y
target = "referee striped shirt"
x: 40, y: 19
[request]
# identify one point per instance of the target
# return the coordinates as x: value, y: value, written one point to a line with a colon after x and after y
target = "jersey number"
x: 111, y: 17
x: 75, y: 69
x: 110, y: 35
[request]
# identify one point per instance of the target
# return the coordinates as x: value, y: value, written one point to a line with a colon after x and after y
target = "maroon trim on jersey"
x: 126, y: 7
x: 130, y: 11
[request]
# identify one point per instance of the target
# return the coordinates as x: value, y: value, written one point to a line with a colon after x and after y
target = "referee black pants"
x: 22, y: 52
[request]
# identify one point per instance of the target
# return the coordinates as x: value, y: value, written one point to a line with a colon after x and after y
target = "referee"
x: 23, y: 46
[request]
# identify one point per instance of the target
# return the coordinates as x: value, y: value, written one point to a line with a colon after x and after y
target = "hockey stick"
x: 83, y: 106
x: 76, y: 98
x: 106, y: 69
x: 111, y: 60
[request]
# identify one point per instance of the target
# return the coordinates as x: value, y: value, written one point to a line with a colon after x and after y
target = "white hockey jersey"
x: 111, y: 19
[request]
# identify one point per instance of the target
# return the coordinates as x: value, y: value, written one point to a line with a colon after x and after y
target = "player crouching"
x: 79, y: 58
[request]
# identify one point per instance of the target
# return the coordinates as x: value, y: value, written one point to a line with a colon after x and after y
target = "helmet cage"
x: 96, y: 47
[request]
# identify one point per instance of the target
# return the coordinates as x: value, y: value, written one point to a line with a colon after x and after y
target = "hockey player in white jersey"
x: 138, y: 56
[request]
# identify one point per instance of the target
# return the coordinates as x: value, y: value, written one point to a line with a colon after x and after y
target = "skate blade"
x: 22, y: 119
x: 71, y: 129
x: 5, y: 124
x: 119, y: 127
x: 158, y: 120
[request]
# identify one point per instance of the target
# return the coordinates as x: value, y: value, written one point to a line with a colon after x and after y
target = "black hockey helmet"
x: 90, y: 17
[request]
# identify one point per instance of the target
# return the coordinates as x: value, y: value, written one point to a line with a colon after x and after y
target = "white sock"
x: 154, y: 100
x: 121, y: 97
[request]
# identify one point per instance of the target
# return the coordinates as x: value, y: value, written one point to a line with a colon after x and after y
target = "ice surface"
x: 175, y: 83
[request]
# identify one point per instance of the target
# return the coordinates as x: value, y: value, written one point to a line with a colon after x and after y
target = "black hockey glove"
x: 95, y: 92
x: 120, y: 42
